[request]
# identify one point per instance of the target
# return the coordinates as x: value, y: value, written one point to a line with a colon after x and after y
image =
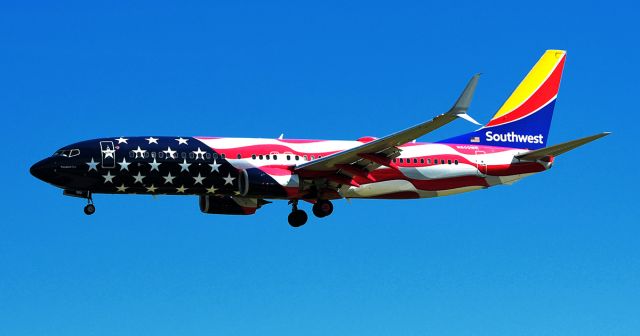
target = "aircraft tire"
x: 89, y: 209
x: 297, y: 218
x: 322, y: 208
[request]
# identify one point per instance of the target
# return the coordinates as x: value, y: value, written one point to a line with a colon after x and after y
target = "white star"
x: 138, y: 178
x: 228, y: 179
x: 182, y: 141
x: 182, y: 189
x: 184, y: 166
x: 124, y: 165
x: 108, y: 177
x: 168, y: 178
x: 122, y: 140
x: 214, y: 166
x: 152, y: 140
x: 151, y: 189
x: 139, y: 152
x: 170, y: 153
x: 108, y: 153
x: 92, y: 165
x: 154, y: 165
x: 122, y: 188
x: 198, y: 179
x: 211, y: 190
x: 199, y: 153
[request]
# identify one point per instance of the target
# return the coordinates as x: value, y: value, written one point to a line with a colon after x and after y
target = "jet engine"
x: 267, y: 182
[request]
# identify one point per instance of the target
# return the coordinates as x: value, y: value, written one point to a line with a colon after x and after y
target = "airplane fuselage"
x: 264, y: 168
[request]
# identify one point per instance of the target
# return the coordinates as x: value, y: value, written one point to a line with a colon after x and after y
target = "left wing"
x: 381, y: 151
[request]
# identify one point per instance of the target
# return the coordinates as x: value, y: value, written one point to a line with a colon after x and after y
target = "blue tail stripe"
x: 529, y: 132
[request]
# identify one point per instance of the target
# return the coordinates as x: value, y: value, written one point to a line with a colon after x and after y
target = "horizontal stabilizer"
x: 559, y: 149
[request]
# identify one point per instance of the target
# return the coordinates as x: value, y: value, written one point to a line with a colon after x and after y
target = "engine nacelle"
x: 267, y: 182
x: 228, y: 205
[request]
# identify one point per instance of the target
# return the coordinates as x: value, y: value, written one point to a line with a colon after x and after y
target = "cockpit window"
x: 67, y: 152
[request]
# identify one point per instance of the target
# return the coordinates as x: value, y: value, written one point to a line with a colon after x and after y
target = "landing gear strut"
x: 297, y: 217
x: 322, y: 208
x: 89, y: 209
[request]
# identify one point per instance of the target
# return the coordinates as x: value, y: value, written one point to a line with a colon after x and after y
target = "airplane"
x: 237, y: 176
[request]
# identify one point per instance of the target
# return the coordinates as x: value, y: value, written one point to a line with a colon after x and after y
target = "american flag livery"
x: 239, y: 175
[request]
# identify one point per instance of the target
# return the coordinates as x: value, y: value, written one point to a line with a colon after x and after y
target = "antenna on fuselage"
x: 281, y: 136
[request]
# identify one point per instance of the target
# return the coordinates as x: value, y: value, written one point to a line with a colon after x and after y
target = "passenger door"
x: 108, y: 154
x: 480, y: 164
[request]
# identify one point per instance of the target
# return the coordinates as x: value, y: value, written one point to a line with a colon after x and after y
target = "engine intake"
x: 266, y: 182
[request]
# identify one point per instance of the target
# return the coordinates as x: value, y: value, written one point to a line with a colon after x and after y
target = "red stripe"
x: 544, y: 94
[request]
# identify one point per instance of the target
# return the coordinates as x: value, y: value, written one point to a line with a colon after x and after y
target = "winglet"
x: 459, y: 109
x: 560, y: 148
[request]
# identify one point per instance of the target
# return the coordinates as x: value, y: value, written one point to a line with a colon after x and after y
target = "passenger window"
x: 401, y: 160
x: 145, y: 155
x: 312, y: 157
x: 304, y: 157
x: 261, y: 157
x: 191, y: 155
x: 415, y: 160
x: 161, y: 155
x: 239, y: 156
x: 449, y: 161
x: 435, y: 161
x: 456, y: 161
x: 215, y: 155
x: 288, y: 157
x: 223, y: 156
x: 253, y: 156
x: 208, y: 156
x: 297, y: 158
x: 421, y: 160
x: 132, y: 154
x: 183, y: 155
x: 394, y: 160
x: 275, y: 157
x: 268, y: 157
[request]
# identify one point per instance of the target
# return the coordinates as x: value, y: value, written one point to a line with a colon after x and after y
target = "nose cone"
x: 44, y: 170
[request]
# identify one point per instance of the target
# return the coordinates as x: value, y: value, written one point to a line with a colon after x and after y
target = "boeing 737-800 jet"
x: 239, y: 175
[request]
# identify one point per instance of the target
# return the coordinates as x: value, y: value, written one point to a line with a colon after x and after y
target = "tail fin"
x: 524, y: 119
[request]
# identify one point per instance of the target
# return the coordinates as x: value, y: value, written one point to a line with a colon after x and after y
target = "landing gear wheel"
x: 89, y: 209
x: 322, y: 208
x: 297, y: 218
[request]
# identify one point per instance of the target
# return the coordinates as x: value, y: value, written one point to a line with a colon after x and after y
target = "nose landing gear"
x: 89, y: 209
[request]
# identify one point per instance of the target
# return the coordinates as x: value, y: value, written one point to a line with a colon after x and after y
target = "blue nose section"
x: 44, y: 170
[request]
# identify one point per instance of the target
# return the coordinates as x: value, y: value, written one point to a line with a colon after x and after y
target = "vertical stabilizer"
x: 524, y: 119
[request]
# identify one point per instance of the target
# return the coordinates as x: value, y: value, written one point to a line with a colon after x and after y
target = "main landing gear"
x: 322, y: 208
x: 297, y: 217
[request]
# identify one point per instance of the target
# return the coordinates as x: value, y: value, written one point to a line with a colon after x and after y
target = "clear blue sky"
x: 555, y: 254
